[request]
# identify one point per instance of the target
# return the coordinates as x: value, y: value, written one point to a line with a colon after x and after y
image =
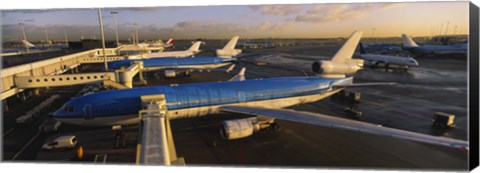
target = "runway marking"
x: 26, y: 145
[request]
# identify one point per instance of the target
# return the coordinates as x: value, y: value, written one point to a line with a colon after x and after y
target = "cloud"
x: 29, y: 20
x: 338, y: 12
x: 267, y: 26
x: 282, y: 10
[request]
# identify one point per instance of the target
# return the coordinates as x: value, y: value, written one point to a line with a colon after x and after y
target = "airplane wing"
x: 193, y: 69
x: 363, y: 84
x: 334, y: 122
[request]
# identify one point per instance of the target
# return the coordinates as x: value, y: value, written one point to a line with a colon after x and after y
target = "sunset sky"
x: 248, y: 21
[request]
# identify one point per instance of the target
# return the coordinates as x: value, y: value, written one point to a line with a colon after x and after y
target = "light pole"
x: 46, y: 36
x: 135, y: 33
x: 24, y: 35
x: 446, y: 29
x: 114, y: 13
x: 103, y: 39
x: 65, y: 35
x: 373, y: 34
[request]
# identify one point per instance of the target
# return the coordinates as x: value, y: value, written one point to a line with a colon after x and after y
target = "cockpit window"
x: 68, y: 108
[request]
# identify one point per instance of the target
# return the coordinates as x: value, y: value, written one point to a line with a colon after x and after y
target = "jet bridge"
x: 123, y: 76
x: 156, y: 145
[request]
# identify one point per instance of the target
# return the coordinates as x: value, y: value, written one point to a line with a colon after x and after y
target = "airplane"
x: 384, y: 48
x: 411, y: 46
x: 229, y: 50
x: 263, y: 98
x: 32, y: 46
x: 160, y: 43
x: 194, y: 49
x: 173, y: 66
x: 375, y: 59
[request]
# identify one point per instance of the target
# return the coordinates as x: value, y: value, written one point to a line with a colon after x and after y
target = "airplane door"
x: 242, y: 97
x: 87, y: 111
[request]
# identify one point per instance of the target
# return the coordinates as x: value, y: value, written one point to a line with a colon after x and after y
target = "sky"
x: 247, y: 21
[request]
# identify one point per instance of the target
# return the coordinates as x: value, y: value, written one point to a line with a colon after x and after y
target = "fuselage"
x: 388, y: 59
x: 438, y: 49
x: 175, y: 54
x: 172, y: 63
x: 118, y: 107
x: 383, y: 47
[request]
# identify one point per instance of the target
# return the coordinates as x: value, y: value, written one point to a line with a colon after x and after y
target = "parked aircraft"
x: 264, y: 98
x: 384, y: 48
x: 173, y: 66
x: 411, y: 46
x: 194, y: 49
x: 32, y: 46
x: 229, y: 50
x: 376, y: 59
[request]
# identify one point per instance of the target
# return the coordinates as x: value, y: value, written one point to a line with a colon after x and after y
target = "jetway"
x: 123, y: 76
x: 48, y: 67
x: 62, y: 80
x: 15, y: 79
x: 156, y: 146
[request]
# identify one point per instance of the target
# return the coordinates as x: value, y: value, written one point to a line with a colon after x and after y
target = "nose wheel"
x: 274, y: 127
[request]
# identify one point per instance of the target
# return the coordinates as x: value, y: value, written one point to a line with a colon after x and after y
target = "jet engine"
x: 242, y: 128
x: 176, y: 73
x: 337, y: 68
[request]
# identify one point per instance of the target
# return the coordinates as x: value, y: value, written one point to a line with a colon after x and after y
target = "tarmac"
x: 439, y: 84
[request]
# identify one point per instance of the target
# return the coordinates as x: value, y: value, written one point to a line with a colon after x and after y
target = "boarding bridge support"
x: 156, y: 145
x: 125, y: 76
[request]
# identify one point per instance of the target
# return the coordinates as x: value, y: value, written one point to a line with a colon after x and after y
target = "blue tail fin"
x: 362, y: 49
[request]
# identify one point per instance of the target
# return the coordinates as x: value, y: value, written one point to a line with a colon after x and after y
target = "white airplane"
x: 411, y: 46
x: 229, y: 50
x: 32, y: 46
x: 264, y: 98
x: 160, y: 43
x: 194, y: 49
x: 376, y: 59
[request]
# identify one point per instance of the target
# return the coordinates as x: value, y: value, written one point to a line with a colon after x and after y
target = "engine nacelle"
x: 170, y: 73
x: 337, y: 68
x: 228, y: 53
x: 242, y: 128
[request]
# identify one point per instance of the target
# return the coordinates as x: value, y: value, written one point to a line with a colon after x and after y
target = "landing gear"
x: 387, y: 66
x: 274, y: 127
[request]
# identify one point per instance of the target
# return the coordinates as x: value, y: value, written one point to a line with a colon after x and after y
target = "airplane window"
x: 45, y: 80
x: 53, y: 79
x: 38, y: 80
x: 30, y: 80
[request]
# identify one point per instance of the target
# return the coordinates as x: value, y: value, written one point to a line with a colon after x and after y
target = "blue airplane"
x: 411, y: 46
x: 259, y: 97
x: 384, y: 48
x: 173, y: 65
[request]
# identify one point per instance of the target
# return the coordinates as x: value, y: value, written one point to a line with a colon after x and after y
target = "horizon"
x: 300, y: 21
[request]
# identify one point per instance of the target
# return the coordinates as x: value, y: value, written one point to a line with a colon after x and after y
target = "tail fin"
x: 231, y: 44
x: 362, y: 49
x: 229, y: 50
x: 346, y: 52
x: 408, y: 42
x: 240, y: 76
x: 170, y: 41
x: 195, y: 46
x: 27, y: 44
